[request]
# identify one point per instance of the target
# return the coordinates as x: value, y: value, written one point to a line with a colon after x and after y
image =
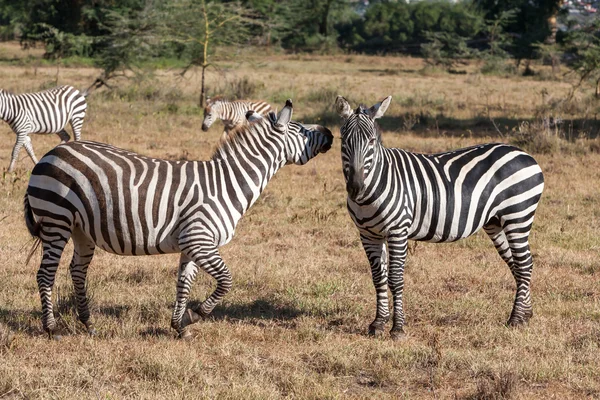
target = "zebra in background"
x: 395, y: 195
x: 232, y: 113
x: 127, y: 204
x: 43, y: 112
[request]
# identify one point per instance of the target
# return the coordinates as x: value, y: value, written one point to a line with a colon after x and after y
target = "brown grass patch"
x: 295, y: 323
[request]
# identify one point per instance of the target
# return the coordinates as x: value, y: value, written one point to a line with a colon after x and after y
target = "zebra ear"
x: 285, y: 116
x: 342, y: 107
x: 253, y: 116
x: 380, y: 108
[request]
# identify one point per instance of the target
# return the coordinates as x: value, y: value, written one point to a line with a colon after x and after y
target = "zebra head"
x: 360, y: 140
x: 302, y: 142
x: 211, y: 113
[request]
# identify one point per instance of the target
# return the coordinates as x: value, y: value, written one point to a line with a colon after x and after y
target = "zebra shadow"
x: 257, y: 312
x: 23, y: 321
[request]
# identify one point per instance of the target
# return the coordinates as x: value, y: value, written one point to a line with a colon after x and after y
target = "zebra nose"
x: 204, y: 127
x: 355, y: 183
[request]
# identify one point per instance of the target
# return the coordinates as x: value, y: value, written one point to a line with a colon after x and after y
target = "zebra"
x: 43, y: 112
x: 231, y: 112
x: 395, y: 195
x: 101, y: 196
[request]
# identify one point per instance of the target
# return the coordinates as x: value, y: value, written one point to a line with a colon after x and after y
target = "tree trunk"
x: 323, y: 26
x: 552, y: 25
x: 202, y: 95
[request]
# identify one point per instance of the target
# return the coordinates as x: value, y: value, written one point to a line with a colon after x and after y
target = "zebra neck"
x: 244, y: 169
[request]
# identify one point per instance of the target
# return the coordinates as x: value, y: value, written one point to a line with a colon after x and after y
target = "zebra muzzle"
x: 355, y: 183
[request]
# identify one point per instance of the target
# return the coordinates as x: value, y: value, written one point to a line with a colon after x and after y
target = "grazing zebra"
x: 128, y: 204
x: 395, y: 195
x: 43, y: 112
x: 231, y: 112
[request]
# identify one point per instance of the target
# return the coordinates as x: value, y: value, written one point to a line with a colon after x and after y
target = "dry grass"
x: 294, y: 324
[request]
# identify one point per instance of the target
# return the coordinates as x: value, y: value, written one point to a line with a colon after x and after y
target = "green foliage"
x: 400, y: 26
x: 529, y: 24
x: 584, y: 48
x: 129, y: 41
x: 445, y: 49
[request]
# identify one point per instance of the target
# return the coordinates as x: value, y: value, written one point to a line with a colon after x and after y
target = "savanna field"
x: 295, y: 323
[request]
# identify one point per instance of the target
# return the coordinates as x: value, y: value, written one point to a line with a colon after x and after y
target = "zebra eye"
x: 371, y: 141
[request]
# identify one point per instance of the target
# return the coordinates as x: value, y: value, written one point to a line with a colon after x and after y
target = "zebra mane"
x: 229, y: 144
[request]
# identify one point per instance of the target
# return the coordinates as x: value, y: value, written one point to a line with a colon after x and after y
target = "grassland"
x: 295, y: 322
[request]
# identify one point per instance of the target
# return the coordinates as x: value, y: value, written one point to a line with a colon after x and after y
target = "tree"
x: 129, y: 42
x: 584, y: 48
x: 200, y: 26
x: 532, y: 23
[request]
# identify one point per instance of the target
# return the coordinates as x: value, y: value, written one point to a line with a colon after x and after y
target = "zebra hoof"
x: 376, y: 329
x: 92, y: 332
x: 186, y: 335
x: 519, y: 320
x: 56, y: 337
x: 398, y: 335
x: 189, y: 317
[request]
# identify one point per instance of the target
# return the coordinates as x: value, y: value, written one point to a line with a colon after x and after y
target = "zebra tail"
x: 32, y: 226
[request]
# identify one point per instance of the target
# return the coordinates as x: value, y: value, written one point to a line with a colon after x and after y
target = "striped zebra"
x: 43, y: 112
x: 127, y: 204
x: 395, y: 195
x: 231, y: 112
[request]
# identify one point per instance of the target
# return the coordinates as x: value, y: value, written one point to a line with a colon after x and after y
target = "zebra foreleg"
x: 52, y: 250
x: 397, y: 248
x: 82, y: 256
x: 377, y: 255
x: 181, y: 318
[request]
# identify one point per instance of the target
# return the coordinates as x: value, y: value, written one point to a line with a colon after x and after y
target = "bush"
x: 240, y: 88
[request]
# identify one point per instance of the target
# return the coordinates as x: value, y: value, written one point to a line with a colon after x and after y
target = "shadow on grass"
x: 115, y: 311
x: 427, y: 125
x: 261, y: 309
x: 28, y: 322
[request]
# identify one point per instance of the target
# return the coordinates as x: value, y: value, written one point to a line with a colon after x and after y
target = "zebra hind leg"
x: 29, y: 148
x: 64, y: 136
x: 181, y: 318
x: 52, y: 251
x: 514, y: 250
x: 21, y: 137
x: 76, y: 124
x: 83, y: 251
x: 521, y: 269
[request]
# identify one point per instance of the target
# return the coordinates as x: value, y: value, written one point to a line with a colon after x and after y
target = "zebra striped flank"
x: 395, y: 195
x: 43, y: 112
x: 98, y: 195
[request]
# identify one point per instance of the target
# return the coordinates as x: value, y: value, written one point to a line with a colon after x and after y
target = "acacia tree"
x: 199, y: 27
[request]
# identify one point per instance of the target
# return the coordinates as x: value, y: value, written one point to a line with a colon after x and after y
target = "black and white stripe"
x: 125, y: 203
x: 44, y: 112
x: 232, y: 113
x: 395, y: 195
